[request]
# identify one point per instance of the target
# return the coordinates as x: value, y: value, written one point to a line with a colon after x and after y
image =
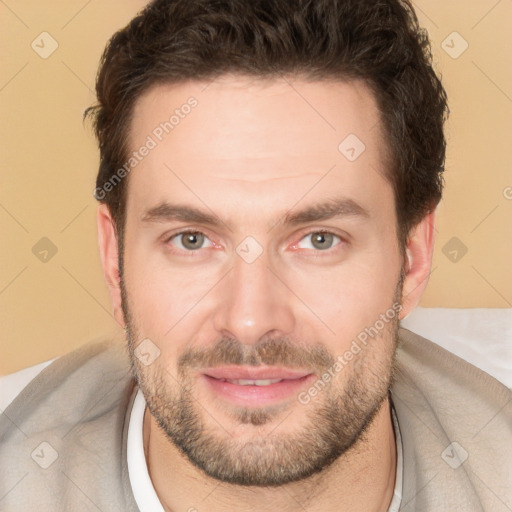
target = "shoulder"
x: 456, y: 425
x: 12, y: 384
x: 444, y: 386
x: 67, y: 428
x: 63, y: 390
x: 441, y: 375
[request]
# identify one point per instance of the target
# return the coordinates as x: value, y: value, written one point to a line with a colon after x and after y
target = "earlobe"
x: 418, y: 262
x: 109, y: 255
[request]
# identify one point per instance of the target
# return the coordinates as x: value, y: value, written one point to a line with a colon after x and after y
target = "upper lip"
x: 253, y: 373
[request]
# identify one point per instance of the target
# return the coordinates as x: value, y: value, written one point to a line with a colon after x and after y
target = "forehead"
x: 254, y: 137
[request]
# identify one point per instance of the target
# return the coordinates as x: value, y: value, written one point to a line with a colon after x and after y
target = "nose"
x: 253, y: 303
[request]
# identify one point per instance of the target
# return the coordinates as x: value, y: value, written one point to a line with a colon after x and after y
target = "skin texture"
x: 252, y: 153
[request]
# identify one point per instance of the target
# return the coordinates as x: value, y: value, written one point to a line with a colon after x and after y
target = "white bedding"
x: 483, y: 337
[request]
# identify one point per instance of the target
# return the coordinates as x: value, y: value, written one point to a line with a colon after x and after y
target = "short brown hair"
x: 378, y: 41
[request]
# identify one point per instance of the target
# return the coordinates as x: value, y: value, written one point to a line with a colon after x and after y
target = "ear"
x: 418, y: 262
x: 107, y: 242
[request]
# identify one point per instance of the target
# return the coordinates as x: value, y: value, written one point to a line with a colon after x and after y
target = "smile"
x: 250, y: 386
x: 249, y: 382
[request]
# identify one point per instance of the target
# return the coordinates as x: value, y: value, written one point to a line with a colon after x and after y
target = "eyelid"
x: 167, y: 238
x: 344, y: 239
x: 183, y: 231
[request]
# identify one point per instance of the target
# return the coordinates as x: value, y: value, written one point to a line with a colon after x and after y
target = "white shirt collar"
x: 142, y: 487
x: 397, y: 494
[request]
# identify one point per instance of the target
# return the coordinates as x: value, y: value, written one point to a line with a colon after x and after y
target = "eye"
x: 319, y: 240
x: 190, y: 240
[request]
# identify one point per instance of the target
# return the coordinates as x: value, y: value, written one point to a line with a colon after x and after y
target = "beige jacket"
x: 63, y: 439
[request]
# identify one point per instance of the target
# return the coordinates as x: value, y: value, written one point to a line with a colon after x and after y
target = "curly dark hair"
x: 378, y: 41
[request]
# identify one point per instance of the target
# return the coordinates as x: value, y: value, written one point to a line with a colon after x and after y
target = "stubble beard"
x: 333, y: 422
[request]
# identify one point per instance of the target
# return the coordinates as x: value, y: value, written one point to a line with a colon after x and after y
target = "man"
x: 268, y: 180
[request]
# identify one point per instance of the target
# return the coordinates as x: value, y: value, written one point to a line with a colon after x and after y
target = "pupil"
x: 192, y: 240
x: 322, y: 240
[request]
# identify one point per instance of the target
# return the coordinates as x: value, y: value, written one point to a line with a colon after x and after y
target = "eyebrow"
x: 324, y: 211
x: 167, y: 212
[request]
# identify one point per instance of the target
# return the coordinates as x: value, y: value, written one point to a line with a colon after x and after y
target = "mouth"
x: 252, y: 387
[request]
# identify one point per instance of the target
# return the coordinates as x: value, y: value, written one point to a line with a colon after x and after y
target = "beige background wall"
x: 49, y: 162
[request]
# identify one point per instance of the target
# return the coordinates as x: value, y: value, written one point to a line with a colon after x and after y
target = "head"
x: 300, y: 145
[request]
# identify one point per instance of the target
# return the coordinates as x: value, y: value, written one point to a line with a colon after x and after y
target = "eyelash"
x: 181, y: 233
x: 317, y: 253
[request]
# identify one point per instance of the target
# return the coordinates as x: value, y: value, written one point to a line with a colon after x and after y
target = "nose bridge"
x: 253, y: 302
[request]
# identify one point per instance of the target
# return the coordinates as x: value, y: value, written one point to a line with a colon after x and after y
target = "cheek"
x: 166, y: 300
x: 347, y: 298
x: 160, y: 299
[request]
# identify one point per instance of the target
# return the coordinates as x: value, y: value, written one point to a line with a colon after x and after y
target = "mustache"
x: 271, y: 352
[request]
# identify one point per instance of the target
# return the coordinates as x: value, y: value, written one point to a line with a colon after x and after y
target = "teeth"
x: 248, y: 382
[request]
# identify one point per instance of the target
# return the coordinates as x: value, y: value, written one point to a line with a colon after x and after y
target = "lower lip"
x: 257, y: 395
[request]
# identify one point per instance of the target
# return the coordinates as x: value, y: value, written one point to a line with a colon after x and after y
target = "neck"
x: 362, y: 479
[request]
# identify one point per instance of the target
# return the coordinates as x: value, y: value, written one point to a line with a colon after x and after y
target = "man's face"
x: 290, y: 253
